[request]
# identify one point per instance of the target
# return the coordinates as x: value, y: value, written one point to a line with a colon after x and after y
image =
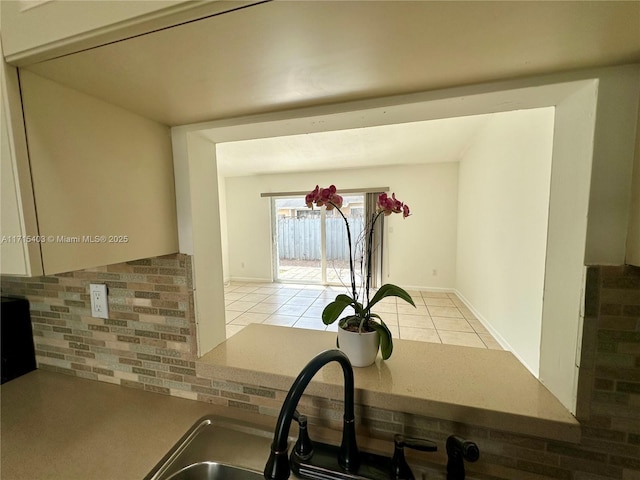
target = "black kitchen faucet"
x: 315, y: 460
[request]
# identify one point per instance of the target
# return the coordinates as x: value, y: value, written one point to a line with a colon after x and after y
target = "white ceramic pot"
x: 361, y: 348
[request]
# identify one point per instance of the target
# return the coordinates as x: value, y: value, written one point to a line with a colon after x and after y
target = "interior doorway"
x: 574, y: 104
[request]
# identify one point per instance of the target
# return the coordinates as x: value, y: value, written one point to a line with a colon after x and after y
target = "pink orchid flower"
x: 312, y: 197
x: 391, y: 205
x: 324, y: 197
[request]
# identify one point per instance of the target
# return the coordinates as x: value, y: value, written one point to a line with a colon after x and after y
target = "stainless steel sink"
x: 215, y: 448
x: 215, y: 471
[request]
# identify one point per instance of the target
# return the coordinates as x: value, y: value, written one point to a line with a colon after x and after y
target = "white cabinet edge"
x: 20, y: 177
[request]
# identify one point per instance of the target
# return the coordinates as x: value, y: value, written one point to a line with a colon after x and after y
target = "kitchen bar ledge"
x: 473, y: 386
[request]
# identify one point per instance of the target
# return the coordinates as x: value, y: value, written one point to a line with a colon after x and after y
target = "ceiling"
x: 288, y: 54
x: 411, y: 143
x: 283, y: 55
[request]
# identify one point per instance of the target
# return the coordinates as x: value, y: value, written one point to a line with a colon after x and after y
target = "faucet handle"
x: 303, y: 447
x: 400, y: 469
x: 459, y: 450
x: 415, y: 443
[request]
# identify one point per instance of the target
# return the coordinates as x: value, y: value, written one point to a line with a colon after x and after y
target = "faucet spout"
x: 277, y: 467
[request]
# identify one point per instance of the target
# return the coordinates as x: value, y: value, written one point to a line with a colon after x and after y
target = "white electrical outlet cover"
x: 98, y: 294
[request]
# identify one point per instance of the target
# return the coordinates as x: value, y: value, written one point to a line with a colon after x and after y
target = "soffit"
x: 282, y: 55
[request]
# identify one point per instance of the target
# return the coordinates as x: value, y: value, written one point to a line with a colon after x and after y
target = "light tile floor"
x: 438, y: 317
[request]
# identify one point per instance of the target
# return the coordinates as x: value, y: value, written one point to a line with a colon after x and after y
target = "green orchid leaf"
x: 333, y: 310
x: 344, y: 298
x: 386, y: 343
x: 390, y: 290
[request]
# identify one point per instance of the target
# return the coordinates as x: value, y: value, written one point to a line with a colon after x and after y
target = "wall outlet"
x: 98, y: 293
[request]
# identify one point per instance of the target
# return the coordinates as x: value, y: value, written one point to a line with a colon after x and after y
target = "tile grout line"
x: 467, y: 335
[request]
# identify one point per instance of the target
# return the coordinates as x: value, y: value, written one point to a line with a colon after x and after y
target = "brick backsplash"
x: 609, y: 386
x: 149, y: 343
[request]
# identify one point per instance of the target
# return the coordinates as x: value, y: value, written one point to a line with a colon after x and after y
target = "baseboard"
x: 250, y: 280
x: 429, y: 289
x: 494, y: 333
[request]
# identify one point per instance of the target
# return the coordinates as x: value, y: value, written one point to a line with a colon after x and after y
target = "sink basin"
x: 214, y: 471
x: 216, y: 448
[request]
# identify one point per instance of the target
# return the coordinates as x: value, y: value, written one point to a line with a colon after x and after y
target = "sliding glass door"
x: 310, y: 246
x: 336, y: 271
x: 297, y: 241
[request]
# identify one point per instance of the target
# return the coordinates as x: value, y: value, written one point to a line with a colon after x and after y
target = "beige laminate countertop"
x: 488, y: 388
x: 60, y: 427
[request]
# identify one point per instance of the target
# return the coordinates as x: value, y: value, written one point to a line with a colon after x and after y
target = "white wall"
x: 195, y: 171
x: 613, y: 153
x: 502, y: 227
x: 571, y: 175
x: 427, y: 238
x: 224, y: 231
x: 633, y: 236
x: 207, y: 247
x: 248, y: 229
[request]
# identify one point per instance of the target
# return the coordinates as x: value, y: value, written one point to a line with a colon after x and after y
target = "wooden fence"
x: 300, y: 238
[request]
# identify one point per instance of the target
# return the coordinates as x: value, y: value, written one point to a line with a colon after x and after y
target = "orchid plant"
x: 362, y: 319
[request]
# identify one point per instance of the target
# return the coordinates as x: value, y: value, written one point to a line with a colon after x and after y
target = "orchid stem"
x: 367, y: 266
x: 353, y: 275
